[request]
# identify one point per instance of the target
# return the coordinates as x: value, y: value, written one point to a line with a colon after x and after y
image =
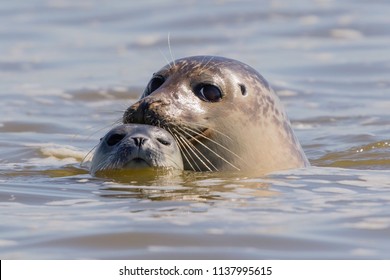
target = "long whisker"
x: 166, y: 59
x: 208, y: 148
x: 103, y: 165
x: 183, y: 151
x: 204, y: 68
x: 197, y: 153
x: 88, y: 155
x: 187, y: 151
x: 213, y: 141
x: 195, y: 149
x: 170, y: 49
x: 205, y: 126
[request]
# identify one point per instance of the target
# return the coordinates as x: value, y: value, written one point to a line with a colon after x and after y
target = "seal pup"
x: 134, y: 146
x: 223, y: 115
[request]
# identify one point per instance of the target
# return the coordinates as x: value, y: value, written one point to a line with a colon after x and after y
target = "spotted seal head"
x: 132, y: 146
x: 223, y: 115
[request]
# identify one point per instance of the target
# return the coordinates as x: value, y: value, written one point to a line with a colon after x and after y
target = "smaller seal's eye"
x: 164, y: 142
x: 155, y: 83
x: 208, y: 92
x: 115, y: 139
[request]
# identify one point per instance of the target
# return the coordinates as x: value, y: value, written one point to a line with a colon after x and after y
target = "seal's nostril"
x: 143, y: 106
x: 139, y: 141
x: 115, y: 139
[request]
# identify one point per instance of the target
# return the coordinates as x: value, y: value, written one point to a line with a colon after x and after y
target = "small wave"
x: 370, y: 156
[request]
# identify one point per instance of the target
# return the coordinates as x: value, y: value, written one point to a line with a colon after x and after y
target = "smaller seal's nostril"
x: 139, y: 141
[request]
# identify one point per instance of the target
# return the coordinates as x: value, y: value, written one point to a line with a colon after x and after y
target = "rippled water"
x: 68, y: 70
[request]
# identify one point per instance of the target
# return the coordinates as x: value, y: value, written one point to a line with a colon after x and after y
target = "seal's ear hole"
x: 243, y: 90
x: 164, y: 142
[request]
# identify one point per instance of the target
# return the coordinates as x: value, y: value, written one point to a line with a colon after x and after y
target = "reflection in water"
x: 177, y: 185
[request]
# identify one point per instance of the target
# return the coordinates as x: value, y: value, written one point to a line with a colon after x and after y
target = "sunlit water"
x: 68, y: 71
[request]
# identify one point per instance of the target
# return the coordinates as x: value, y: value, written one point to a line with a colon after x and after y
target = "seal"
x: 223, y: 115
x: 133, y: 146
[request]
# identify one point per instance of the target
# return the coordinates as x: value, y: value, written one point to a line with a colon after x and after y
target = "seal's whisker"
x: 216, y: 65
x: 104, y: 165
x: 88, y: 155
x: 205, y: 126
x: 182, y: 149
x: 215, y: 142
x: 211, y: 150
x: 203, y: 61
x: 204, y: 68
x: 195, y: 149
x: 165, y: 58
x: 170, y: 49
x: 188, y: 151
x: 197, y: 153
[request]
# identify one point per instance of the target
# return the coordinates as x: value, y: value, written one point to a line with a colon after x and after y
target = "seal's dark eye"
x: 115, y: 139
x: 154, y: 84
x: 207, y: 92
x: 164, y: 142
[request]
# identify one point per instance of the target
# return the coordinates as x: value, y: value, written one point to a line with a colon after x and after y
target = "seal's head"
x: 222, y: 114
x: 132, y: 146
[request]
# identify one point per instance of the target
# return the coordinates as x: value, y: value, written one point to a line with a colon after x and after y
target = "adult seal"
x: 223, y: 115
x: 133, y: 146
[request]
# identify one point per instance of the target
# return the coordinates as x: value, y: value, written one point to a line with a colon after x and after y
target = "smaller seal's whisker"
x: 88, y: 155
x: 101, y: 166
x: 183, y: 150
x: 208, y: 148
x: 117, y: 122
x: 105, y: 127
x: 197, y: 153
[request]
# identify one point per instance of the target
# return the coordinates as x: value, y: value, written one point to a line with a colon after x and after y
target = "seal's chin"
x: 137, y: 163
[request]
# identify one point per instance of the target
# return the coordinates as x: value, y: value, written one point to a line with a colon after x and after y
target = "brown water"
x: 68, y: 71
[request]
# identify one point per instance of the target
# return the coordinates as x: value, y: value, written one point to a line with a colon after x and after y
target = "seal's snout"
x: 136, y: 113
x: 146, y: 111
x: 139, y: 141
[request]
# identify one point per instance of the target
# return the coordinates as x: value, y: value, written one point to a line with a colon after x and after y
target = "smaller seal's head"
x: 136, y: 146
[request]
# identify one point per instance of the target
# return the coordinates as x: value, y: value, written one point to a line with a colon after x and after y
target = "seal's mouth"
x: 137, y: 163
